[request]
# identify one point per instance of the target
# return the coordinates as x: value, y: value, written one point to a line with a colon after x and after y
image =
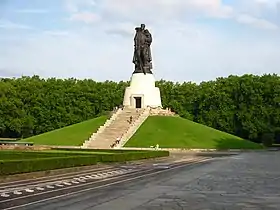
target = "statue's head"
x: 143, y: 26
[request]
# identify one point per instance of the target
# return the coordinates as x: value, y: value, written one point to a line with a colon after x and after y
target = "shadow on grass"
x: 225, y: 144
x: 232, y: 143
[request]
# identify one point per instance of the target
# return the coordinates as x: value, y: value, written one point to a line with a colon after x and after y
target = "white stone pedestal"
x: 142, y: 92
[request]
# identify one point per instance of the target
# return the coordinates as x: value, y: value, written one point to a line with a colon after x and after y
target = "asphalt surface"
x: 245, y: 181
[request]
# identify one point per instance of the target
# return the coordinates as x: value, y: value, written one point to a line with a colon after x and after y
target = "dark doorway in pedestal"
x: 138, y: 102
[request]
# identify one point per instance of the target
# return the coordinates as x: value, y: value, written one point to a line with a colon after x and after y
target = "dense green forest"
x: 247, y: 106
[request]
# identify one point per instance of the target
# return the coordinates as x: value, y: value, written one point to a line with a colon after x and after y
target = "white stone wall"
x: 161, y: 112
x: 142, y: 85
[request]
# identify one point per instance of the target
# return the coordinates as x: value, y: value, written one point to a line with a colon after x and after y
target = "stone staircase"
x: 133, y: 128
x: 117, y: 126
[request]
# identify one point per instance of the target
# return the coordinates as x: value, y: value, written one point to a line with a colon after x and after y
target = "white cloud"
x: 257, y: 8
x: 57, y: 33
x: 269, y: 3
x: 162, y: 10
x: 159, y: 11
x: 179, y: 52
x: 80, y: 10
x: 125, y: 29
x: 182, y: 49
x: 32, y: 11
x: 256, y: 22
x: 10, y: 25
x: 75, y: 5
x: 87, y: 17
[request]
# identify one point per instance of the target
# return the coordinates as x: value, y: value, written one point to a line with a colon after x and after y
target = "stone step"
x: 109, y: 134
x: 126, y: 118
x: 109, y: 137
x: 119, y: 125
x: 113, y: 130
x: 129, y: 113
x: 117, y: 128
x: 103, y: 142
x: 116, y: 135
x: 120, y: 122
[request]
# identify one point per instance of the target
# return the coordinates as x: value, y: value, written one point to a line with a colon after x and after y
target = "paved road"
x: 247, y: 181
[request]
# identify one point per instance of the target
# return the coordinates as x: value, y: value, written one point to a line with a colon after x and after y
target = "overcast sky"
x: 193, y: 40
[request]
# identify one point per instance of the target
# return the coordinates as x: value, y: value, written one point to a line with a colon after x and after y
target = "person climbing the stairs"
x: 118, y: 140
x: 130, y: 119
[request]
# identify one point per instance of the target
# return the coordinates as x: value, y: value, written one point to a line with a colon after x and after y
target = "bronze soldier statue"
x: 142, y: 57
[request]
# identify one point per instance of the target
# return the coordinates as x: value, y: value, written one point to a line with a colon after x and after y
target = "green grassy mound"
x: 73, y: 135
x: 176, y: 132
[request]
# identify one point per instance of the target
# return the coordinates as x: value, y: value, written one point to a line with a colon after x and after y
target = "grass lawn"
x: 176, y: 132
x: 73, y: 135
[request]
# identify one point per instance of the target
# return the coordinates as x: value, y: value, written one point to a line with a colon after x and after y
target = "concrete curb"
x: 195, y: 150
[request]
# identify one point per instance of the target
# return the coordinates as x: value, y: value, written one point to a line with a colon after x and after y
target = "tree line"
x: 247, y: 106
